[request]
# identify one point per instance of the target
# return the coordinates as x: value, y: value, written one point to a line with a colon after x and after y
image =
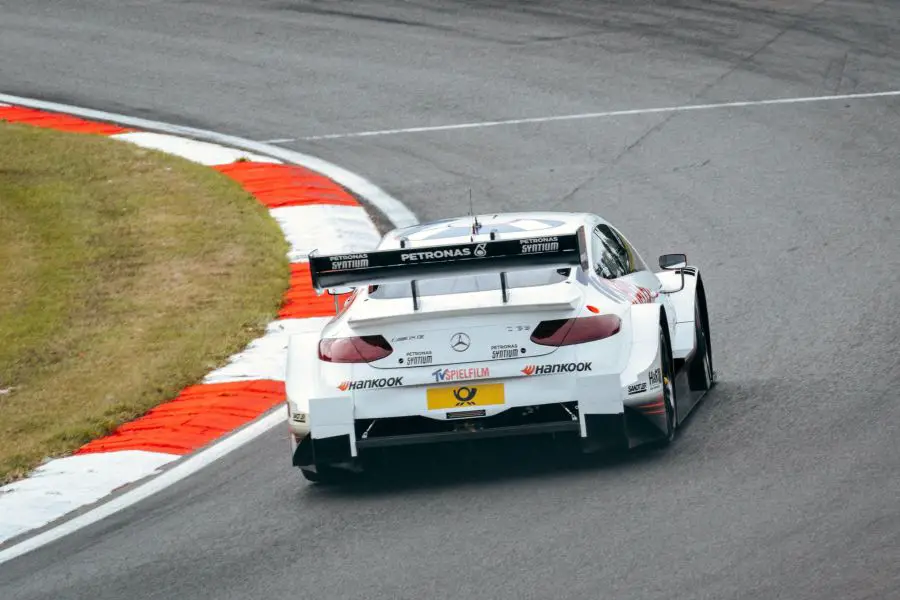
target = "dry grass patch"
x: 127, y: 274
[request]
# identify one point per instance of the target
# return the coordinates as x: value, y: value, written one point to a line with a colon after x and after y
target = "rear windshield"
x: 482, y: 282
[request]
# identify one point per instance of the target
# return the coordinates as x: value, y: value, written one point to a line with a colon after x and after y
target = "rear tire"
x: 668, y: 376
x: 323, y: 474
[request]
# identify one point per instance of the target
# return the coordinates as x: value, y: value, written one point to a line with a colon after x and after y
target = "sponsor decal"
x: 457, y: 374
x: 512, y: 328
x: 407, y: 338
x: 655, y: 378
x: 436, y: 254
x: 369, y: 384
x: 419, y: 359
x: 540, y: 245
x: 643, y: 296
x: 465, y: 396
x: 556, y: 368
x: 350, y: 261
x: 460, y: 342
x: 480, y: 250
x: 637, y: 388
x: 633, y: 293
x: 504, y: 351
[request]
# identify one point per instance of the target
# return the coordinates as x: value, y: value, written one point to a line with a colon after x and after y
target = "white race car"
x: 497, y: 325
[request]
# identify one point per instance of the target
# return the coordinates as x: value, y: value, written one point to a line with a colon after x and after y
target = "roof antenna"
x: 475, y: 224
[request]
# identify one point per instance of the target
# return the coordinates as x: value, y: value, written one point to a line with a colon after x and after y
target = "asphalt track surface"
x: 786, y: 481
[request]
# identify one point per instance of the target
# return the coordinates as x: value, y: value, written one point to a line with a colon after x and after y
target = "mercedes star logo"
x: 460, y: 342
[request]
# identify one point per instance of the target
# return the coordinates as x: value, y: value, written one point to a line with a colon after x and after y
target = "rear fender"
x: 301, y: 369
x: 312, y: 408
x: 642, y: 379
x: 644, y: 358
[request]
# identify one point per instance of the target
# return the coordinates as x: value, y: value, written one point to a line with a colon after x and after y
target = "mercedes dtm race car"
x: 497, y: 325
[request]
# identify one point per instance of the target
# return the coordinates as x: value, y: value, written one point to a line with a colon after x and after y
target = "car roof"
x: 458, y: 230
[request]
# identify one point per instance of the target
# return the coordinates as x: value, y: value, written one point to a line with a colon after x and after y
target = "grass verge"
x: 125, y: 275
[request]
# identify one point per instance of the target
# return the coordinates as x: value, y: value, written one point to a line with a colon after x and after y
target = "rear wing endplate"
x: 410, y: 264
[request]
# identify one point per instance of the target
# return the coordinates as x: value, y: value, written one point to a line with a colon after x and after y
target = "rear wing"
x: 409, y: 264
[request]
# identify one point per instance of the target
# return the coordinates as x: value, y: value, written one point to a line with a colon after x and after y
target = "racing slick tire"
x: 668, y: 378
x: 700, y: 375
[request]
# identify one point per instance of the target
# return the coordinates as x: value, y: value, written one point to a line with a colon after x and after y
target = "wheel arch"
x: 683, y: 302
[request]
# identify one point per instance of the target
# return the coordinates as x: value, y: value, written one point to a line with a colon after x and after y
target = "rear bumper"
x: 620, y: 430
x: 364, y: 435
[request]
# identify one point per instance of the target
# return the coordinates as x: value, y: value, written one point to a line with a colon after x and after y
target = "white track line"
x: 392, y: 208
x: 593, y: 115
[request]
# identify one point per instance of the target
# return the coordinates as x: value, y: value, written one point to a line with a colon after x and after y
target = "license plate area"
x: 466, y: 395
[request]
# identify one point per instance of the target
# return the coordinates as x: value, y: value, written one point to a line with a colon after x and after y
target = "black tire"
x: 668, y: 377
x: 324, y: 474
x: 700, y: 374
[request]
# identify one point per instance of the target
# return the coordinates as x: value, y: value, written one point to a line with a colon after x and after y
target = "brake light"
x: 361, y: 349
x: 565, y: 332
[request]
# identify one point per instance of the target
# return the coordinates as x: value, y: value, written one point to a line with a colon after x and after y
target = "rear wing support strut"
x: 414, y: 287
x: 413, y: 284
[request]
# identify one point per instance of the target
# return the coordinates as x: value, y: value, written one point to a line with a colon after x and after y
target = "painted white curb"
x: 193, y: 150
x: 265, y: 357
x: 66, y: 484
x: 348, y: 229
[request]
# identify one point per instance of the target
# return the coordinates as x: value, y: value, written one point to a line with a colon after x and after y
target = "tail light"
x: 565, y: 332
x: 362, y: 349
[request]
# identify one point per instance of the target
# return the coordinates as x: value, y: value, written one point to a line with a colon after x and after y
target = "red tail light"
x: 565, y: 332
x: 364, y: 349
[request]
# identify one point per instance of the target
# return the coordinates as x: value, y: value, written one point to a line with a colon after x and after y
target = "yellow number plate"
x: 460, y: 396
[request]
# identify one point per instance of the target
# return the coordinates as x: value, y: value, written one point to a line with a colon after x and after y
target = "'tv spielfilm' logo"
x: 465, y: 396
